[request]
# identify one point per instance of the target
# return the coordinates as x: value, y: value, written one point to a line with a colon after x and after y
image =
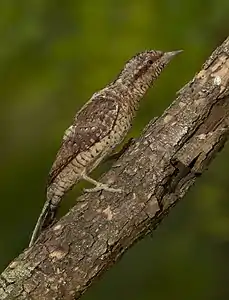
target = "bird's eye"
x: 150, y: 62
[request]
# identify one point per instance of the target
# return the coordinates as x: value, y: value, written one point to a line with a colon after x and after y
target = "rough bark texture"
x: 154, y: 173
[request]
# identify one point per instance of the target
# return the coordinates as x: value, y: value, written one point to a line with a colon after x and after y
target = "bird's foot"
x: 102, y: 187
x: 99, y: 186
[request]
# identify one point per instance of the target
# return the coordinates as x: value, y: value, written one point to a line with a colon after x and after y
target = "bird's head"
x: 145, y: 67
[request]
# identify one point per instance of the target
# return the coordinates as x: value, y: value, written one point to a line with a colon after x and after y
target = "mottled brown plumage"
x: 91, y: 125
x: 98, y: 127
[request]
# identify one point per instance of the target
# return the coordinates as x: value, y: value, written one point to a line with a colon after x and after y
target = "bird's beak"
x: 169, y: 55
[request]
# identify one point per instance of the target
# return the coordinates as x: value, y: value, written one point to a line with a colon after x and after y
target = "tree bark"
x: 154, y: 173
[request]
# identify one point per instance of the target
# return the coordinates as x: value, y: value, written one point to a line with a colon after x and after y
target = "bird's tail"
x: 45, y: 219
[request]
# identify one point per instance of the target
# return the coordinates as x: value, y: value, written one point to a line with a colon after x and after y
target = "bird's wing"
x: 93, y: 122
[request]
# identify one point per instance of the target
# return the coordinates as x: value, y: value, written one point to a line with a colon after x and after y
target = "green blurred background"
x: 53, y: 56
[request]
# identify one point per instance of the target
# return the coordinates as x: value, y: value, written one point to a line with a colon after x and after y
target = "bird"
x: 97, y: 128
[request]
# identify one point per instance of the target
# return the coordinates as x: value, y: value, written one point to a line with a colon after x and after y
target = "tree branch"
x: 155, y: 172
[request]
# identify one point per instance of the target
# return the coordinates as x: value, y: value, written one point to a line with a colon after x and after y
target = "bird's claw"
x: 103, y: 187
